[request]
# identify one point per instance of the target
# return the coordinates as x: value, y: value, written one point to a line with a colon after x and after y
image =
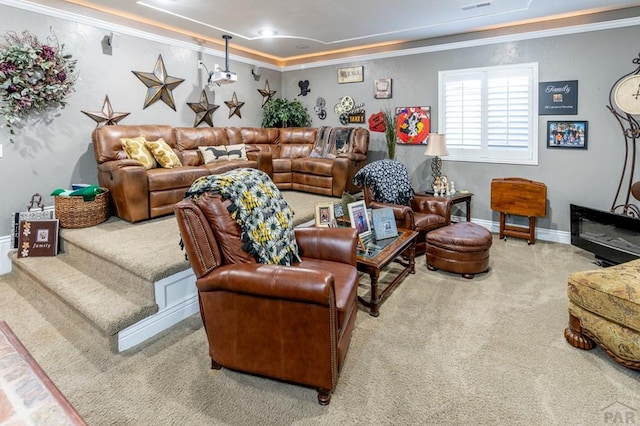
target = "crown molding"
x: 108, y: 26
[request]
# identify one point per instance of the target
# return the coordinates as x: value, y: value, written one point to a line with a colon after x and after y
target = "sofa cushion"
x: 163, y: 153
x: 136, y: 150
x: 211, y: 154
x: 179, y: 177
x: 313, y: 166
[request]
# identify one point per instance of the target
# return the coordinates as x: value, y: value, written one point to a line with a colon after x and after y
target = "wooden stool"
x: 520, y: 197
x: 462, y: 248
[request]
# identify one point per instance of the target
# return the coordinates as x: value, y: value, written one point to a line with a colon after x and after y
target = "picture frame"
x: 567, y: 134
x: 324, y: 214
x: 558, y: 97
x: 413, y: 125
x: 382, y: 88
x: 351, y: 75
x: 384, y: 223
x: 359, y: 218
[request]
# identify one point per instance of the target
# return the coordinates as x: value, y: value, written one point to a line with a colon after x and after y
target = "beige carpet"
x: 444, y: 350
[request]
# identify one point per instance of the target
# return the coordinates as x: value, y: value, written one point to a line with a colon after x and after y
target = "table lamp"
x: 436, y: 147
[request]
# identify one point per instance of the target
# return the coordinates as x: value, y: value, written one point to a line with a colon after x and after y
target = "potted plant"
x: 285, y: 113
x: 390, y: 122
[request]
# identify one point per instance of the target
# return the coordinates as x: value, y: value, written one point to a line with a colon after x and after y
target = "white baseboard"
x: 177, y: 299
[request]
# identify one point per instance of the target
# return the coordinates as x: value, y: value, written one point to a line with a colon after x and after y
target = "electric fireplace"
x: 612, y: 238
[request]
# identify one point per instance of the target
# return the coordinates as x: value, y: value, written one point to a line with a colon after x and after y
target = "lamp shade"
x: 437, y: 145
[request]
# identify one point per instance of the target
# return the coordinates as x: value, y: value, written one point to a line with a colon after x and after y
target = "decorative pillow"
x: 237, y: 152
x: 214, y: 153
x: 163, y: 153
x: 136, y: 150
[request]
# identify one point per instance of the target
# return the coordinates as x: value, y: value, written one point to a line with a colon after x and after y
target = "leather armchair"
x: 291, y: 323
x: 424, y: 213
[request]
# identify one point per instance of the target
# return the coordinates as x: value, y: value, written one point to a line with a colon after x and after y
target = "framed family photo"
x: 567, y: 134
x: 324, y: 216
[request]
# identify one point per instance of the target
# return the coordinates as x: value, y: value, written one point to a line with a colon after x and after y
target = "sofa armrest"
x: 264, y: 160
x: 402, y: 214
x: 333, y: 244
x: 272, y: 282
x: 433, y: 205
x: 128, y: 186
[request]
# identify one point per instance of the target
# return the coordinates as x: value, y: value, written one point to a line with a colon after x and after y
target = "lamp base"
x: 436, y: 168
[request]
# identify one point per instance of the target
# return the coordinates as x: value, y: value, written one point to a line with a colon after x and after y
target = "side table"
x: 459, y: 198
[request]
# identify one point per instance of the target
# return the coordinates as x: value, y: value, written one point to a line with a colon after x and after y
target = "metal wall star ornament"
x: 234, y: 106
x: 266, y: 93
x: 159, y: 84
x: 106, y: 116
x: 203, y: 109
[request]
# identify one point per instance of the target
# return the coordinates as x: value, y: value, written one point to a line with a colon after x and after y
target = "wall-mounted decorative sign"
x: 413, y: 124
x: 567, y: 134
x: 304, y: 87
x: 382, y: 88
x: 351, y: 75
x: 558, y: 97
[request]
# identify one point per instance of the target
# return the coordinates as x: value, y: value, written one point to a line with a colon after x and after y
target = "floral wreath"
x: 33, y: 76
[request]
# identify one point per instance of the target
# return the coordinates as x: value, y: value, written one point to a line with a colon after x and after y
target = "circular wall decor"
x: 627, y: 94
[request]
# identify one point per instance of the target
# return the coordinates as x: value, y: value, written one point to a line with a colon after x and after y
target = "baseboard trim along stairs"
x: 94, y: 293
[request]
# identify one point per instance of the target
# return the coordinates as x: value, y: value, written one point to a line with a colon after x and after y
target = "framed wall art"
x: 558, y: 97
x: 382, y: 88
x: 567, y: 134
x: 413, y: 125
x: 351, y: 75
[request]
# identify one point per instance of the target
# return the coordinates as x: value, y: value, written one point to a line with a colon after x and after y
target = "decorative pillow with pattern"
x: 163, y: 154
x: 136, y: 150
x: 237, y: 152
x: 212, y: 154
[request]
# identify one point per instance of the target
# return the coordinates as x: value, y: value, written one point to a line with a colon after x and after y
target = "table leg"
x: 468, y: 203
x: 374, y: 309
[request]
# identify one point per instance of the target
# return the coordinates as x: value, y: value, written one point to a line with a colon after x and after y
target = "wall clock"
x: 627, y: 94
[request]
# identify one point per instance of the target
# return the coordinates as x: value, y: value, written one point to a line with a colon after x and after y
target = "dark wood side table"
x: 459, y: 198
x: 402, y: 250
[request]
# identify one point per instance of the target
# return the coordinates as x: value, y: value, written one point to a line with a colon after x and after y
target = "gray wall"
x: 586, y: 177
x: 55, y: 150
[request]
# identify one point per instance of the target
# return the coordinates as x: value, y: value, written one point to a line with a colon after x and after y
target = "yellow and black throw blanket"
x: 264, y: 216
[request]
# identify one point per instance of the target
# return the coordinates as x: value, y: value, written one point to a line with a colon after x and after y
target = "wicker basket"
x: 74, y: 212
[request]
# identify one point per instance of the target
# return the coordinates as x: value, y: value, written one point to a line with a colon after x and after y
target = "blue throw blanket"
x: 264, y: 216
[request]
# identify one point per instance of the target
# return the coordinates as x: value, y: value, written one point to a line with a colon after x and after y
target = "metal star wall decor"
x: 106, y: 116
x: 234, y: 106
x: 203, y: 109
x: 159, y: 84
x: 266, y: 93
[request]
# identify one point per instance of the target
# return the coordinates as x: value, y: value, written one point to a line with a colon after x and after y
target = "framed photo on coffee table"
x: 324, y: 214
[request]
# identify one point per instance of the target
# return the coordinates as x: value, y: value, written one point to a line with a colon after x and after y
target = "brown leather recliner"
x: 291, y: 323
x: 424, y: 214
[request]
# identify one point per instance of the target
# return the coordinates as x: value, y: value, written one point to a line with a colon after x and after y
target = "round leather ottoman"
x: 461, y: 248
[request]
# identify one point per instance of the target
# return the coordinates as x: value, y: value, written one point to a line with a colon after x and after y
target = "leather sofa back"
x: 297, y: 142
x: 261, y: 139
x: 106, y: 139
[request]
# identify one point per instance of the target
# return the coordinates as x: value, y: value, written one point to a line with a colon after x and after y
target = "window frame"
x: 483, y: 154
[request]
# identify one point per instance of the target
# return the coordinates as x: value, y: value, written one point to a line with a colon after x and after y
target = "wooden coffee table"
x: 402, y: 250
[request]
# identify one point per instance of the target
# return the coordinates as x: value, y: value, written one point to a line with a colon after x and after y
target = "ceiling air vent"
x: 476, y: 5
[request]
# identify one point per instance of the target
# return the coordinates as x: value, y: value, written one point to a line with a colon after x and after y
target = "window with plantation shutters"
x: 489, y: 114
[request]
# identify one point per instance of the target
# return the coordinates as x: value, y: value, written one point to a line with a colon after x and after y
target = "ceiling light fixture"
x: 266, y: 32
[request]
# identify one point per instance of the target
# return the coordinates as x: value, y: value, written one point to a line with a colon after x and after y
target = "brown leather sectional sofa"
x: 285, y: 154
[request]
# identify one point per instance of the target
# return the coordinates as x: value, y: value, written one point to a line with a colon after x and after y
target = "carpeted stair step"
x: 106, y: 310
